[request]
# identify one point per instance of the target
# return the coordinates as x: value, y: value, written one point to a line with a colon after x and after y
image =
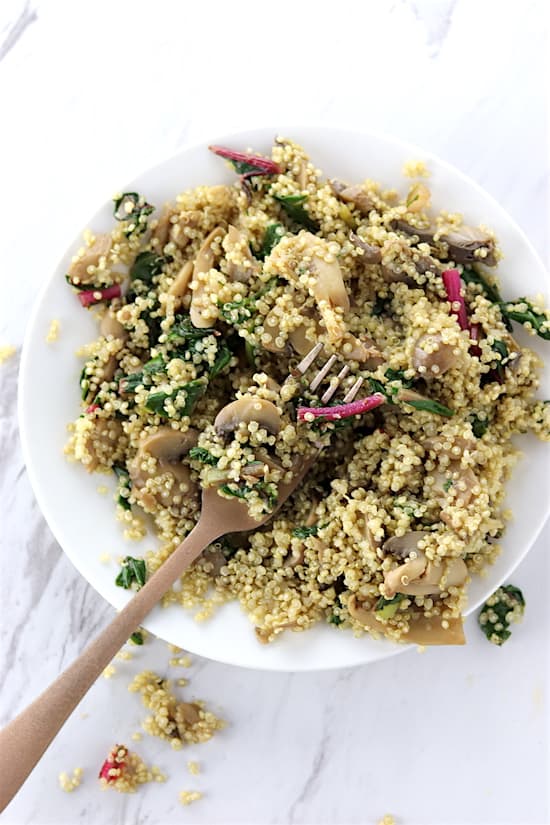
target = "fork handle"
x: 24, y: 740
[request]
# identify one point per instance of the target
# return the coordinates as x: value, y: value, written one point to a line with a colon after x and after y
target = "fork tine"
x: 308, y: 360
x: 353, y: 391
x: 334, y: 384
x: 322, y: 373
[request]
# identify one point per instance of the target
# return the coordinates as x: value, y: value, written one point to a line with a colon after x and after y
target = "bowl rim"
x: 387, y: 649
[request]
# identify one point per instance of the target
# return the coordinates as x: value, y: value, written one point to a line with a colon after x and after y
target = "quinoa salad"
x: 206, y: 306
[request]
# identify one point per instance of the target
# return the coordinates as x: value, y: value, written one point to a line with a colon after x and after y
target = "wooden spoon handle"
x: 23, y: 741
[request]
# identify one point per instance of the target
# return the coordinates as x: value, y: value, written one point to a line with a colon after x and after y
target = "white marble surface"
x: 91, y: 93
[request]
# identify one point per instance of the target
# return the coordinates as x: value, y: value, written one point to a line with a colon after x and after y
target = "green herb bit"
x: 479, y: 425
x: 202, y: 455
x: 184, y: 330
x: 399, y: 375
x: 124, y: 482
x: 505, y: 606
x: 293, y: 206
x: 273, y: 234
x: 132, y: 571
x: 387, y: 608
x: 146, y: 266
x: 491, y: 292
x: 192, y: 391
x: 236, y: 490
x: 522, y: 312
x: 133, y: 208
x: 335, y: 619
x: 448, y: 484
x: 381, y: 305
x: 137, y: 637
x: 428, y: 405
x: 222, y: 360
x: 304, y: 532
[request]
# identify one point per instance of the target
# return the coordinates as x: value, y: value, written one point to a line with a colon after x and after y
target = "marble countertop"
x: 90, y: 94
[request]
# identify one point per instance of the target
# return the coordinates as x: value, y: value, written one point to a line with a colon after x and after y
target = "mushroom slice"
x: 467, y: 245
x: 169, y: 447
x: 240, y: 262
x: 403, y: 546
x: 437, y: 578
x: 424, y: 234
x: 369, y: 254
x: 181, y: 282
x: 365, y: 351
x: 102, y: 442
x: 430, y: 631
x: 192, y: 219
x: 78, y: 270
x: 431, y: 357
x: 247, y: 409
x: 422, y: 630
x: 461, y: 480
x: 162, y: 230
x: 110, y: 325
x: 328, y: 287
x: 200, y: 299
x: 354, y: 194
x: 272, y: 327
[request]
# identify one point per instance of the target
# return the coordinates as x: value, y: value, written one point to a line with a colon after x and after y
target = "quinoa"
x: 187, y: 797
x: 6, y: 352
x: 124, y: 771
x: 70, y: 783
x: 180, y: 723
x: 53, y: 332
x: 227, y: 288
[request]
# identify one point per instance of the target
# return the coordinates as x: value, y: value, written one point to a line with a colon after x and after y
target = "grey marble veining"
x: 445, y: 737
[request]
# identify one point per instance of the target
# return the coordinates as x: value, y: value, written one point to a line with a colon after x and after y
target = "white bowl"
x: 84, y: 522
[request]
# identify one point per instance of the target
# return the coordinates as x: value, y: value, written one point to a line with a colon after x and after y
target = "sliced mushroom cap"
x: 103, y: 442
x: 354, y: 194
x: 300, y: 339
x: 402, y: 546
x: 178, y: 231
x: 328, y: 289
x: 430, y: 631
x: 247, y: 409
x: 169, y: 447
x: 161, y: 231
x: 181, y: 282
x: 460, y: 480
x: 78, y: 270
x: 469, y: 245
x: 369, y: 254
x: 204, y: 262
x: 365, y: 351
x: 424, y: 234
x: 110, y: 325
x: 189, y: 712
x: 436, y: 578
x: 272, y: 327
x: 240, y: 263
x: 422, y: 630
x: 430, y: 352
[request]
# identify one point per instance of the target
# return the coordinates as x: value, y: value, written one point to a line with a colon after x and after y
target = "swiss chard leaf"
x: 133, y: 208
x: 491, y: 292
x: 387, y: 608
x: 527, y: 314
x: 222, y: 360
x: 124, y: 482
x: 294, y: 208
x: 132, y: 571
x: 273, y: 234
x: 146, y: 266
x: 428, y: 405
x: 304, y: 532
x: 479, y: 425
x: 202, y: 455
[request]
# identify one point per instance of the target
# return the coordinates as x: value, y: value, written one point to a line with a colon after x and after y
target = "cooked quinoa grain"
x: 53, y: 332
x: 205, y: 309
x: 6, y: 352
x: 187, y: 797
x: 70, y: 783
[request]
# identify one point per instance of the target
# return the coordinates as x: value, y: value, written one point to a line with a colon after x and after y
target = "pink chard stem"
x: 96, y: 296
x: 339, y: 411
x: 453, y: 284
